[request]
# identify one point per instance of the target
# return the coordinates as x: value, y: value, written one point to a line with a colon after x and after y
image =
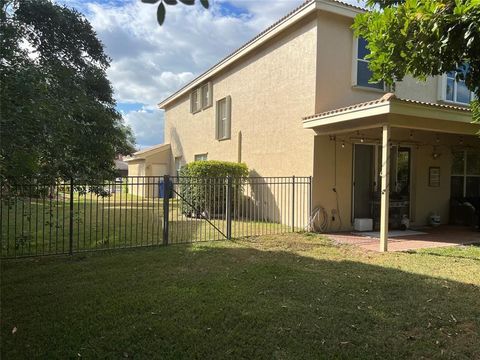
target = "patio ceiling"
x: 401, y: 113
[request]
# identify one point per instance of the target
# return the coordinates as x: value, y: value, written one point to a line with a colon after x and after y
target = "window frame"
x: 355, y: 60
x: 178, y: 160
x: 203, y: 156
x: 199, y: 92
x: 442, y: 91
x: 465, y: 175
x: 223, y: 125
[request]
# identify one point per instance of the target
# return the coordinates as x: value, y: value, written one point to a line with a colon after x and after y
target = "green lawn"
x: 31, y: 226
x: 294, y: 296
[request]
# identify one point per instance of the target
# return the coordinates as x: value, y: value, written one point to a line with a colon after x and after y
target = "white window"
x: 201, y: 157
x: 454, y: 90
x: 465, y: 180
x: 201, y: 98
x: 223, y: 118
x: 361, y: 73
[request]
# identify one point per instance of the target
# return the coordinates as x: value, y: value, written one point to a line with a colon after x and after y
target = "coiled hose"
x: 318, y: 220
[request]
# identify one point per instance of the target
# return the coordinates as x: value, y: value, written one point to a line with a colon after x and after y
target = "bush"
x: 203, y: 186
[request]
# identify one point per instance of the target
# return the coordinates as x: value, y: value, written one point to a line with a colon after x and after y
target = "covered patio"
x: 430, y: 135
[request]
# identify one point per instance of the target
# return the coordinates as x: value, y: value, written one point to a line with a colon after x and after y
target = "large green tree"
x: 423, y: 38
x: 57, y: 112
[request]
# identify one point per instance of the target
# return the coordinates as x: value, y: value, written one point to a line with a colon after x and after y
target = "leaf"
x: 205, y: 3
x: 170, y: 2
x: 150, y: 1
x: 188, y: 2
x: 14, y: 330
x: 161, y: 14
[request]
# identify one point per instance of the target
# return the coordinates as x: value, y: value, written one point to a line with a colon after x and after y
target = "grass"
x: 273, y: 297
x: 41, y: 226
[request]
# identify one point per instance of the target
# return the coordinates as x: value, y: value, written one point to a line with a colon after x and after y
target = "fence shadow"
x: 207, y: 301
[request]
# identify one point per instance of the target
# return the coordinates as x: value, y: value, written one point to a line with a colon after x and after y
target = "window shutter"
x: 217, y: 119
x: 228, y: 110
x: 210, y: 94
x: 191, y: 102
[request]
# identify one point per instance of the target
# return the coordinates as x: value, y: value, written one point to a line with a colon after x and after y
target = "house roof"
x: 389, y: 97
x: 121, y: 165
x: 142, y: 154
x: 288, y: 20
x: 400, y: 113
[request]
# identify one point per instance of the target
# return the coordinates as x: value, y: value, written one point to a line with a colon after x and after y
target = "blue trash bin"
x: 161, y: 189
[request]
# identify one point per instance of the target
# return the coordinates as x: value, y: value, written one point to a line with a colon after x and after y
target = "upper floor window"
x: 223, y: 118
x: 362, y: 74
x: 201, y: 157
x: 454, y: 90
x: 201, y: 98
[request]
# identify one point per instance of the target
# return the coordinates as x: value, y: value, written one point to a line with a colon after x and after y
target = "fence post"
x: 293, y: 203
x: 166, y: 203
x: 310, y: 200
x: 70, y: 233
x: 228, y: 211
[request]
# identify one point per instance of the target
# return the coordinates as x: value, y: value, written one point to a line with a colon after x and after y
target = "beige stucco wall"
x: 305, y: 70
x: 270, y: 90
x: 335, y: 69
x: 425, y: 200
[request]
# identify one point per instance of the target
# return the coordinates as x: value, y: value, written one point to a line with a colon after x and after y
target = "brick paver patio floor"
x: 434, y: 237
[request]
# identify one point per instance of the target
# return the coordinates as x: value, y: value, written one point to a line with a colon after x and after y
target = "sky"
x: 150, y: 62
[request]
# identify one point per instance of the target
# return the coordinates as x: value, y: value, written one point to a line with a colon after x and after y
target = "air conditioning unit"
x: 363, y: 224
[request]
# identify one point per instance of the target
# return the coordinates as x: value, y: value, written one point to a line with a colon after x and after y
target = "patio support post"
x: 385, y: 199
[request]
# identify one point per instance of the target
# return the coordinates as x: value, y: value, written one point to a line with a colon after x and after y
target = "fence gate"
x: 196, y: 209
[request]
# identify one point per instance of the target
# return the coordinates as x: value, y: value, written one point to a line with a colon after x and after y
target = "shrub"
x: 203, y: 186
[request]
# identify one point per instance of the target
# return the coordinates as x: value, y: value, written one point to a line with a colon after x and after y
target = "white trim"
x: 354, y: 61
x: 442, y: 92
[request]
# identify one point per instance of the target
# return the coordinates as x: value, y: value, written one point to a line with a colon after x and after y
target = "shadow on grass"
x: 232, y: 301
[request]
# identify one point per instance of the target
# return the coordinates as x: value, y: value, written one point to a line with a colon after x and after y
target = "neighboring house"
x: 295, y: 100
x: 121, y: 167
x: 145, y: 167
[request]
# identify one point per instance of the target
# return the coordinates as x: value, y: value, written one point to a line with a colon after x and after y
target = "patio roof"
x: 396, y: 112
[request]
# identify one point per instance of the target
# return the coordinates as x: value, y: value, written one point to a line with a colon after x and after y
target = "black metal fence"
x: 40, y: 218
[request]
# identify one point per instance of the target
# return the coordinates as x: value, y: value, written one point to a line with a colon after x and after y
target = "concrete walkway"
x: 434, y: 237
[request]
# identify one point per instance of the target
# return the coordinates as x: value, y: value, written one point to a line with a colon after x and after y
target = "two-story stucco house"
x: 296, y: 100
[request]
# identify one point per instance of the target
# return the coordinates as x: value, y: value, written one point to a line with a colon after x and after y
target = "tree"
x: 57, y: 112
x: 423, y: 38
x: 161, y: 10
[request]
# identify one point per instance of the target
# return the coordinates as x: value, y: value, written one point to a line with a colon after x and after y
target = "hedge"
x: 203, y: 186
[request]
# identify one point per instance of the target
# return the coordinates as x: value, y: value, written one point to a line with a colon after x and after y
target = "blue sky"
x: 150, y: 62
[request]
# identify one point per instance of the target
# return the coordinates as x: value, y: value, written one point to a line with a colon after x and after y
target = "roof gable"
x: 306, y: 8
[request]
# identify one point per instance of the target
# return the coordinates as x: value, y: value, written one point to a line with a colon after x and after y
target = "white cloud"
x: 149, y: 62
x: 147, y: 126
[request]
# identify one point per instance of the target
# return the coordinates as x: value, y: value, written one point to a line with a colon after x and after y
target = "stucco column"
x: 385, y: 200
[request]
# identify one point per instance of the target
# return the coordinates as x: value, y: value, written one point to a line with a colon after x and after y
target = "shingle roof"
x: 276, y: 23
x: 389, y: 97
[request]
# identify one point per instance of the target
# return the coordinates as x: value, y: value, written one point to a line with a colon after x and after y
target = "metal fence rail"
x: 65, y: 217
